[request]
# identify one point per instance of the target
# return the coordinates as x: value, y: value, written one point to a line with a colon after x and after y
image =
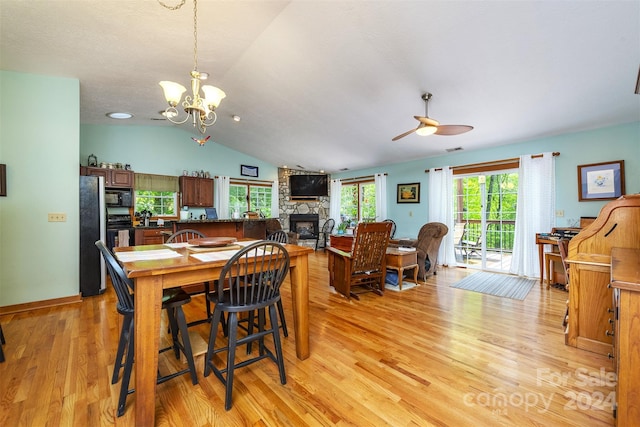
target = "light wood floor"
x: 432, y: 355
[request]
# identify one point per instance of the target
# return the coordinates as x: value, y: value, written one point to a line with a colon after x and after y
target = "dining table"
x: 156, y: 267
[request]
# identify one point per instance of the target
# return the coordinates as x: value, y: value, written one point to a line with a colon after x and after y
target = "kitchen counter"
x: 239, y: 228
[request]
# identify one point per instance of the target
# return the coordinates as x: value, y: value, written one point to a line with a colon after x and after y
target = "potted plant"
x: 342, y: 227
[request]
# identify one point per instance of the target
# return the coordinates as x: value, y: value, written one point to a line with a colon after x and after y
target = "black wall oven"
x: 120, y: 226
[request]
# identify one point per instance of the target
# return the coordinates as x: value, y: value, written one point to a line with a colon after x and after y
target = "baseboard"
x: 35, y: 305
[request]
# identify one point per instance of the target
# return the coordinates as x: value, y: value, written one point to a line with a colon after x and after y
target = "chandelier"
x: 200, y: 108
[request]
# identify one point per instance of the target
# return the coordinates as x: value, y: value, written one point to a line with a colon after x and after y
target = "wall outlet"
x: 559, y: 213
x: 57, y: 217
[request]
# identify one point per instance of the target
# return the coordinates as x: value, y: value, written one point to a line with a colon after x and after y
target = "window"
x: 358, y: 201
x: 157, y: 194
x: 250, y: 197
x: 159, y: 203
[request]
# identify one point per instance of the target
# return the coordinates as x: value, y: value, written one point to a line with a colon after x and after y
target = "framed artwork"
x: 409, y: 193
x: 249, y: 171
x: 601, y: 181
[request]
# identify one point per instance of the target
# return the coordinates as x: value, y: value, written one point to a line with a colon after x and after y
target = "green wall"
x: 38, y: 259
x: 606, y: 144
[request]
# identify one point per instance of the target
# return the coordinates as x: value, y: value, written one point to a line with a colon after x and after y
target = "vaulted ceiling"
x: 327, y: 84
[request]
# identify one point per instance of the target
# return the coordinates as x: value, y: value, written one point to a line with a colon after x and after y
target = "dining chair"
x: 183, y: 236
x: 327, y: 228
x: 279, y: 236
x: 250, y: 281
x: 2, y: 342
x: 172, y: 302
x: 563, y: 248
x: 393, y: 227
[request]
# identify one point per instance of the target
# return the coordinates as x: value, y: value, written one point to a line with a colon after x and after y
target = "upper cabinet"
x: 196, y: 191
x: 112, y: 177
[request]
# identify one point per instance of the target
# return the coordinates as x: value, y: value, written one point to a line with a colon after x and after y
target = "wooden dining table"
x: 151, y: 276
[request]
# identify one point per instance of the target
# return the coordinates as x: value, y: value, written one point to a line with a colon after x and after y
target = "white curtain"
x: 441, y: 210
x: 381, y: 196
x: 534, y: 213
x: 222, y: 197
x: 334, y: 207
x: 275, y: 200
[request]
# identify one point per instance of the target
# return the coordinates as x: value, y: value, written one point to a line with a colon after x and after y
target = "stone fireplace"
x: 306, y: 225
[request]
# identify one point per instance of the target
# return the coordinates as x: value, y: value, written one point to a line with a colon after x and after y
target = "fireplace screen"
x: 305, y: 225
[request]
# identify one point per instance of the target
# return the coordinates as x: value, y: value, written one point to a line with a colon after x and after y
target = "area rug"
x: 501, y: 285
x: 405, y: 287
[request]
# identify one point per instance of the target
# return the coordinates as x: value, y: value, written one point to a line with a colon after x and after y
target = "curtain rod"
x: 256, y: 181
x: 494, y: 163
x: 360, y: 177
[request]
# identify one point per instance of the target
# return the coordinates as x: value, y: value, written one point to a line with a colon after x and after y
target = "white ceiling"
x: 327, y: 84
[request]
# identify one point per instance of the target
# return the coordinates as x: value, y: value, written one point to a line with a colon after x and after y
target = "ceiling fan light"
x: 426, y: 130
x: 172, y: 92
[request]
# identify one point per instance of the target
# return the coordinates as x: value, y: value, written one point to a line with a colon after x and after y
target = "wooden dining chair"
x: 2, y: 342
x: 250, y: 281
x: 172, y: 302
x: 183, y: 236
x: 365, y: 266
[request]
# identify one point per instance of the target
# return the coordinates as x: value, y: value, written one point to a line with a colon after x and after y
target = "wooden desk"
x: 400, y: 260
x: 152, y: 276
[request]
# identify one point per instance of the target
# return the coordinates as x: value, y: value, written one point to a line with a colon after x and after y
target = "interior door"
x: 485, y: 213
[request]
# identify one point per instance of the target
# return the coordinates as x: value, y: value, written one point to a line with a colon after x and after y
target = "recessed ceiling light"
x: 236, y: 118
x: 120, y: 116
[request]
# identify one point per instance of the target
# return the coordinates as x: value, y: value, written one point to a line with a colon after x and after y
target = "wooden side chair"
x: 365, y: 266
x: 183, y: 236
x: 172, y: 302
x: 249, y: 282
x: 327, y: 228
x: 393, y: 227
x: 563, y: 248
x: 279, y: 236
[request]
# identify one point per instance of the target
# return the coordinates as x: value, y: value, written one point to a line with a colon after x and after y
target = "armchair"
x: 365, y: 265
x: 427, y: 245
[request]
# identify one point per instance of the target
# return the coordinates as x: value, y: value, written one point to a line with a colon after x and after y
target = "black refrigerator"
x: 92, y: 228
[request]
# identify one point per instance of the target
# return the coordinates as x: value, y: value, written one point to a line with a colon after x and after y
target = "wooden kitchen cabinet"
x: 151, y: 236
x: 118, y: 178
x: 196, y: 191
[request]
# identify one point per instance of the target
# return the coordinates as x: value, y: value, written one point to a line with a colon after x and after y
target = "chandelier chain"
x: 172, y: 7
x: 195, y: 35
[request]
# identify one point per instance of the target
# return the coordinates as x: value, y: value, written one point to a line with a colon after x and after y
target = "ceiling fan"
x: 429, y: 126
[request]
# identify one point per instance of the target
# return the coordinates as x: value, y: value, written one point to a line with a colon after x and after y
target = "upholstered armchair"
x: 273, y: 225
x: 427, y: 245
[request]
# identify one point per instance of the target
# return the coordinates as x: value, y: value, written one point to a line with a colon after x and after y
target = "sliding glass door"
x: 484, y: 217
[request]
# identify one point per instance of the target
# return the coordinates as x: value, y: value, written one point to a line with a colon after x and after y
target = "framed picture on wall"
x: 409, y: 193
x: 601, y: 181
x: 249, y: 171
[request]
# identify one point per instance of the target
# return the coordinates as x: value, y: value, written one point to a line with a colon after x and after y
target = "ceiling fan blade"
x: 447, y: 130
x: 426, y: 120
x: 402, y: 135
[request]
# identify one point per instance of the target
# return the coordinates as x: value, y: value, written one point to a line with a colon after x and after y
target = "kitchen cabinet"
x: 118, y: 178
x: 152, y: 236
x: 196, y: 191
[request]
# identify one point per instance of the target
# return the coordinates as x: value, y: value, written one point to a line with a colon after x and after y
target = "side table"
x: 401, y: 260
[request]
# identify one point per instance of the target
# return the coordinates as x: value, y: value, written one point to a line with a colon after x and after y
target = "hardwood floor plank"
x: 432, y: 355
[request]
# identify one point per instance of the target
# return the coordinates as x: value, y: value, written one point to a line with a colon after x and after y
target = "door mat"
x: 500, y: 285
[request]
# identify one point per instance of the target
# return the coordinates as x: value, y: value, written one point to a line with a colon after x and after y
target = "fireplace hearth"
x: 306, y: 225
